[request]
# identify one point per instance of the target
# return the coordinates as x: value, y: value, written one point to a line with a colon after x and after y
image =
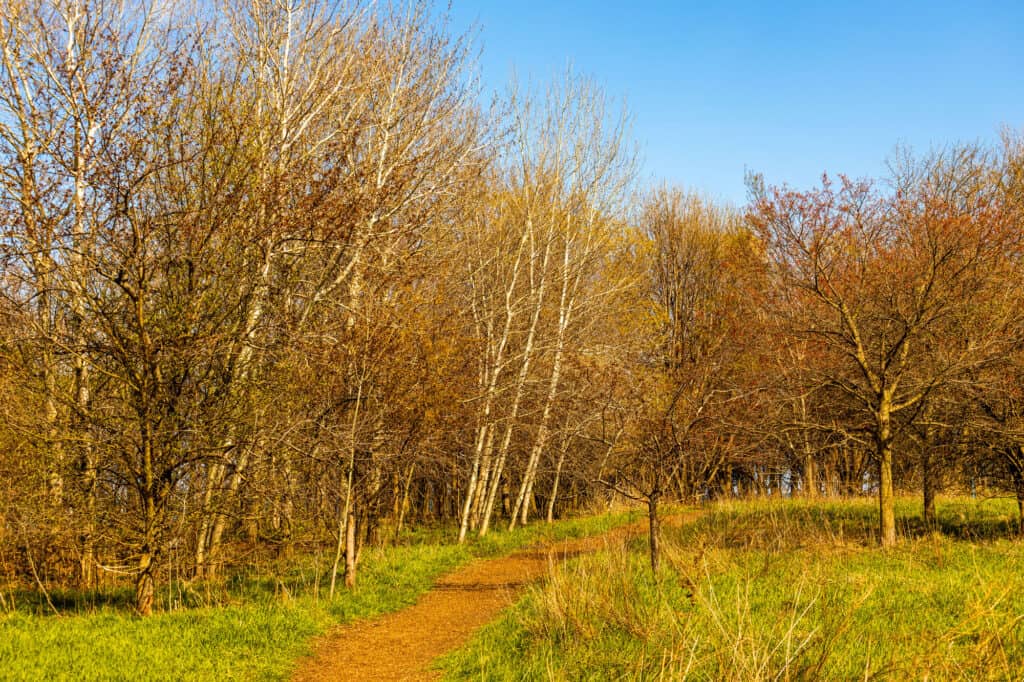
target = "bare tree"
x: 876, y: 278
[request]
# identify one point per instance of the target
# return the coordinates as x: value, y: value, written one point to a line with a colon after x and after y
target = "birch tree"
x: 562, y: 182
x: 361, y: 130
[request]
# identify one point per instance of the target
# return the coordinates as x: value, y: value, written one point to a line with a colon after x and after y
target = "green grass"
x: 263, y: 625
x: 788, y: 590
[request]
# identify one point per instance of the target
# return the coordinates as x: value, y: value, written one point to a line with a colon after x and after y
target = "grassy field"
x: 260, y: 628
x: 785, y: 590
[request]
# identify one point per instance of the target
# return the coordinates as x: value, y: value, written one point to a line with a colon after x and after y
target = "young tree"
x: 690, y: 343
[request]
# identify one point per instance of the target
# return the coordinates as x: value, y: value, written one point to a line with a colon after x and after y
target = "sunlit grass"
x: 262, y: 625
x: 783, y: 590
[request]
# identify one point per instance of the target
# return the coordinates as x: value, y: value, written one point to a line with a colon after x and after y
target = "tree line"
x: 274, y: 279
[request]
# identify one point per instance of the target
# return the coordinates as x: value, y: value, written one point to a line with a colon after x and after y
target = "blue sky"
x: 789, y: 89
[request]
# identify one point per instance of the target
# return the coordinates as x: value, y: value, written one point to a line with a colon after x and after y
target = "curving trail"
x: 402, y: 645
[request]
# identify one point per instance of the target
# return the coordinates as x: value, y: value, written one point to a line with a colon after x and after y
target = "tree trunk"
x: 928, y: 485
x: 220, y: 517
x: 828, y: 474
x: 470, y: 490
x: 524, y: 371
x: 654, y: 531
x: 524, y: 510
x: 144, y: 584
x: 810, y: 477
x: 403, y: 506
x: 725, y: 482
x: 1017, y: 468
x: 1020, y: 503
x: 886, y: 501
x: 87, y: 564
x: 339, y: 549
x: 147, y: 552
x: 350, y: 551
x: 554, y: 484
x: 152, y: 503
x: 54, y: 443
x: 214, y: 478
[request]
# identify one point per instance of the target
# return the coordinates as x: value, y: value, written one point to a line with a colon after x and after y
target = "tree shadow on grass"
x: 68, y: 602
x: 968, y: 530
x: 784, y: 527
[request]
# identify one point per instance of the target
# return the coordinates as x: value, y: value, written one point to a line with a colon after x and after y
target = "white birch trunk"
x: 524, y: 370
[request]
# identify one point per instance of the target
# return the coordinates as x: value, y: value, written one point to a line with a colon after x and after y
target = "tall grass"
x: 779, y: 591
x: 259, y: 623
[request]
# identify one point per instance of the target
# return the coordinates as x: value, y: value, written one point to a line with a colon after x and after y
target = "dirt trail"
x: 401, y: 645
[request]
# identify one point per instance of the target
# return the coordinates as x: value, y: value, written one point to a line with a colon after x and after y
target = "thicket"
x: 272, y: 280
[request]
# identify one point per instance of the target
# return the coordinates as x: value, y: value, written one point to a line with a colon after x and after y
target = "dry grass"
x: 782, y: 591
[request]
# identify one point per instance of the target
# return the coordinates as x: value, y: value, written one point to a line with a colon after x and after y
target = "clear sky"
x: 789, y: 89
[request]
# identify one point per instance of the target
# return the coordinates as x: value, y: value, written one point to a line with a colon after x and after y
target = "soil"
x: 402, y: 645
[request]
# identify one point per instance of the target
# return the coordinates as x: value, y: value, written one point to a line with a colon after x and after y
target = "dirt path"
x: 401, y: 645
